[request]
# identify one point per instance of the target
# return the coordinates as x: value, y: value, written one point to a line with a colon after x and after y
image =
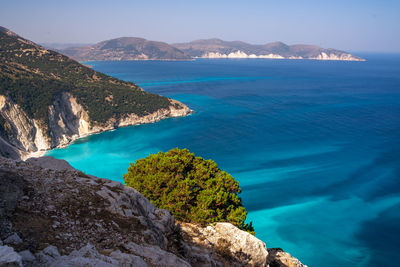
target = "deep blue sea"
x: 315, y: 146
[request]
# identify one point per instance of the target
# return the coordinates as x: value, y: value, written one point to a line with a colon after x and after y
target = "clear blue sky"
x: 353, y: 25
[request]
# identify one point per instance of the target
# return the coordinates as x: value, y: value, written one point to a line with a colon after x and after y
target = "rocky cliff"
x: 54, y: 215
x: 68, y: 121
x: 48, y: 100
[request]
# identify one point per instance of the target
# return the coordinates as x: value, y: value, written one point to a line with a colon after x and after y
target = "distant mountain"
x: 48, y: 100
x: 216, y: 48
x: 126, y: 48
x: 58, y: 46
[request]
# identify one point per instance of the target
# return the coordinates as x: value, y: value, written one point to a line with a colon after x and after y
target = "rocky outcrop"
x: 228, y: 241
x: 9, y: 258
x: 54, y: 215
x: 68, y: 120
x: 279, y: 258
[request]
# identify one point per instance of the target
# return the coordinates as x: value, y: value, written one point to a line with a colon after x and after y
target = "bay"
x: 315, y: 146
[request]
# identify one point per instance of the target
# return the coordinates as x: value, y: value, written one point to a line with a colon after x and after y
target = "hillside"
x: 126, y: 48
x: 216, y: 48
x: 54, y: 215
x: 47, y: 99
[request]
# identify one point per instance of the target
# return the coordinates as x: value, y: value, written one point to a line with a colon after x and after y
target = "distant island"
x: 216, y: 48
x: 134, y: 48
x: 125, y: 48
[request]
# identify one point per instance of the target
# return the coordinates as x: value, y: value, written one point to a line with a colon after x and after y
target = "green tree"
x: 191, y: 188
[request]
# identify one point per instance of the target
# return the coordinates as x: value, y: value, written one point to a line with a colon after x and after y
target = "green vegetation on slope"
x: 33, y: 77
x: 191, y: 188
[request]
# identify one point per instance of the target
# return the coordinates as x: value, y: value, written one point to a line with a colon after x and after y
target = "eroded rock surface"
x: 54, y: 215
x: 23, y: 136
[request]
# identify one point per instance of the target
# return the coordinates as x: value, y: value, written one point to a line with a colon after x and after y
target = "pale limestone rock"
x: 126, y: 260
x: 280, y: 258
x: 48, y: 255
x: 13, y: 239
x: 239, y: 54
x: 27, y: 256
x: 9, y: 258
x: 155, y: 255
x: 87, y: 256
x: 227, y: 239
x: 23, y: 128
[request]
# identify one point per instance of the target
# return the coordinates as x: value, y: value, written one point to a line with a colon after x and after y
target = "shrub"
x: 191, y: 188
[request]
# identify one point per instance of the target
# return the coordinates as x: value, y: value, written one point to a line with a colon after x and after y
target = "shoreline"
x: 41, y: 153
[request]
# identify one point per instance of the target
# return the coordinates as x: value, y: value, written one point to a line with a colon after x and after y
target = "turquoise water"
x: 315, y: 146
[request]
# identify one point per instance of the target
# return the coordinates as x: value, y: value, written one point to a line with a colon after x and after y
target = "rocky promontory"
x: 54, y: 215
x: 48, y: 100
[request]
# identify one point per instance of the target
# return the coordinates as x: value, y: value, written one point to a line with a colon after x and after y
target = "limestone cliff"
x: 324, y: 55
x: 54, y: 215
x: 68, y: 121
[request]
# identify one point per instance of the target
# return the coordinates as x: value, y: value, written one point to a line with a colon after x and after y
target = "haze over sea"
x: 315, y: 146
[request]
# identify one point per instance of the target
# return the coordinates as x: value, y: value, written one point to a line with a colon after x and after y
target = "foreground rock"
x: 63, y: 217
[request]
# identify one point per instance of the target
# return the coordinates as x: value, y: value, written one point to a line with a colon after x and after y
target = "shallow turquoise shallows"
x: 315, y: 146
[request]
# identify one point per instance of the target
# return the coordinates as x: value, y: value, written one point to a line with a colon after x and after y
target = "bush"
x: 191, y: 188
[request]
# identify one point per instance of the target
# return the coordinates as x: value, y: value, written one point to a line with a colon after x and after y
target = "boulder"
x: 9, y: 258
x: 13, y: 239
x: 234, y: 245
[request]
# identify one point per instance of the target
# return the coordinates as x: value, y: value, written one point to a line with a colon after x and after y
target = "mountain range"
x: 126, y: 48
x: 133, y: 48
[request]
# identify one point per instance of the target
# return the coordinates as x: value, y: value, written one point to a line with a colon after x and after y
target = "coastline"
x: 129, y: 120
x: 85, y: 61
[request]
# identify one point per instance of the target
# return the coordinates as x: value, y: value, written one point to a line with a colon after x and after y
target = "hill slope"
x: 216, y: 48
x: 48, y: 208
x: 126, y: 48
x: 47, y: 99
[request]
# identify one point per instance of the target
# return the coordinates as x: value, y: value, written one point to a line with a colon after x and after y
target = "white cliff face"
x: 173, y: 111
x: 24, y: 132
x: 321, y: 56
x: 68, y: 121
x: 239, y: 54
x: 331, y: 56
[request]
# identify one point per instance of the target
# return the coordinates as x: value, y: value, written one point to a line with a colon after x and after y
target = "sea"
x: 315, y: 146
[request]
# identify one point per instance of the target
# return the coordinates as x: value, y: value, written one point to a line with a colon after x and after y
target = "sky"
x: 351, y: 25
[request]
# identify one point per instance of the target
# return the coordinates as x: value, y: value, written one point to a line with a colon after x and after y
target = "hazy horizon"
x: 362, y: 26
